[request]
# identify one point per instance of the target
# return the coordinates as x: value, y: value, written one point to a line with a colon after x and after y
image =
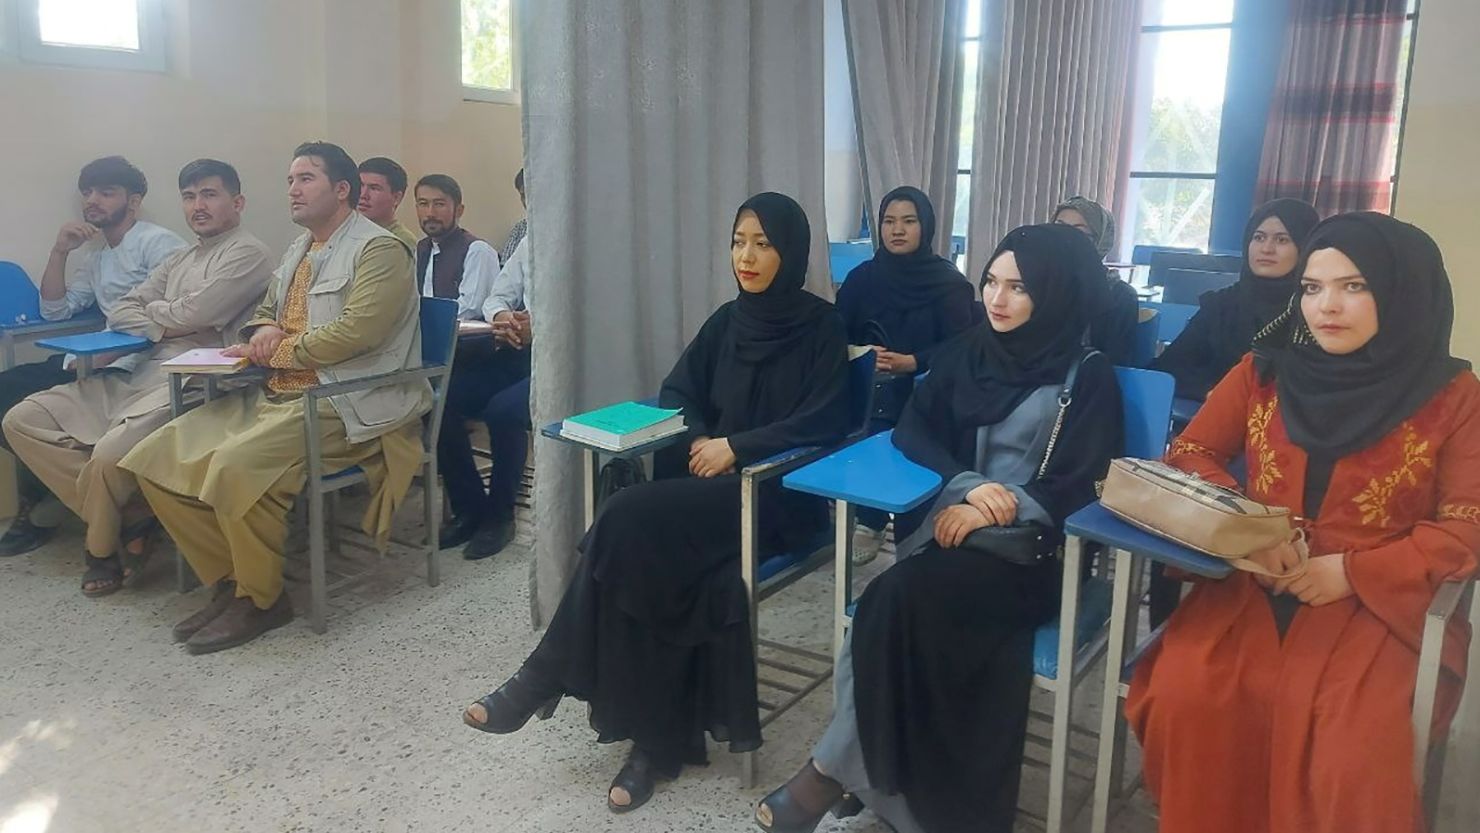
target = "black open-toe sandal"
x: 639, y: 777
x: 512, y: 704
x: 788, y: 815
x: 104, y: 574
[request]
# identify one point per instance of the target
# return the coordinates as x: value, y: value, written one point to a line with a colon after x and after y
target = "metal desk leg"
x: 7, y: 350
x: 84, y: 367
x: 1124, y: 607
x: 842, y: 575
x: 588, y: 485
x: 1063, y: 690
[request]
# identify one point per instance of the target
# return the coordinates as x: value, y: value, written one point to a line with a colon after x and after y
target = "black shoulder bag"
x: 1031, y: 543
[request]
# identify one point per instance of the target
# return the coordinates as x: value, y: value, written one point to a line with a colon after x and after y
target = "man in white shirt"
x: 516, y: 233
x: 450, y: 261
x: 490, y: 381
x: 111, y: 251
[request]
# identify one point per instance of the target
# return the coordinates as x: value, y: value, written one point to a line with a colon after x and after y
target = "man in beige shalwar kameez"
x: 222, y: 478
x: 73, y: 435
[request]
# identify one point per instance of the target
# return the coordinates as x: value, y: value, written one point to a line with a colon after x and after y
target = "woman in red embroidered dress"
x: 1283, y: 707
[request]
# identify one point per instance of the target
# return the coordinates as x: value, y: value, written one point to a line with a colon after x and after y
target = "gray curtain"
x: 646, y: 123
x: 1051, y: 106
x: 905, y: 59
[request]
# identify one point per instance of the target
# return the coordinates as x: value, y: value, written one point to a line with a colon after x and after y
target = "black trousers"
x: 491, y: 385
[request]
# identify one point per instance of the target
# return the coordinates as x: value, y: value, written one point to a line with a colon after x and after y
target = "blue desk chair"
x: 1187, y: 286
x: 1172, y: 319
x: 1167, y: 259
x: 875, y: 474
x: 86, y: 347
x: 438, y: 347
x: 843, y: 257
x: 20, y: 303
x: 1146, y: 332
x: 1141, y: 255
x: 20, y: 314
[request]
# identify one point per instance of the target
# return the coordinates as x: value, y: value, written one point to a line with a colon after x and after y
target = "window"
x: 1405, y: 64
x: 1178, y: 111
x: 101, y: 34
x: 970, y: 54
x: 489, y: 69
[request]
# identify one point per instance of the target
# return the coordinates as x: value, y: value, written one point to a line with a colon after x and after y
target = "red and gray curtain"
x: 1332, y: 122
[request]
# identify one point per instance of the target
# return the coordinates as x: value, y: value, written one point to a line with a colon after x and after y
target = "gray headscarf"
x: 1101, y: 222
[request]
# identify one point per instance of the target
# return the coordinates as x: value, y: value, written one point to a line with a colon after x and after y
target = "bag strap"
x: 1301, y: 548
x: 1066, y: 397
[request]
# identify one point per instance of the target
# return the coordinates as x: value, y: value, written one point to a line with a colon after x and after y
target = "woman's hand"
x: 996, y: 503
x: 1280, y: 559
x: 1324, y: 581
x: 956, y: 522
x: 894, y: 362
x: 711, y: 458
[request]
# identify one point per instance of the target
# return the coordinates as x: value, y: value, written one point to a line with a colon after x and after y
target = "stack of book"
x: 206, y: 360
x: 623, y: 426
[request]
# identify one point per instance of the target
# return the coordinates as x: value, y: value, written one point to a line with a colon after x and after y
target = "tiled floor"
x: 107, y: 726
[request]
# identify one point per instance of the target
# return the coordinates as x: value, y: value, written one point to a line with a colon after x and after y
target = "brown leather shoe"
x: 225, y: 591
x: 240, y: 623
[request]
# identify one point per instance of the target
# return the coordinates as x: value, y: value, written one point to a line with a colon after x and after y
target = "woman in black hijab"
x: 1353, y: 414
x: 931, y: 702
x: 903, y: 303
x: 1227, y: 319
x: 1112, y: 325
x: 654, y: 631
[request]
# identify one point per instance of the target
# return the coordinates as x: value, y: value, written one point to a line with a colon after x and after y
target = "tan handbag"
x: 1203, y: 516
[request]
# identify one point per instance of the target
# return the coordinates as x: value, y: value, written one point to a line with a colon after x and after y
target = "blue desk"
x: 27, y: 331
x: 871, y: 473
x: 87, y: 346
x: 590, y: 455
x: 1129, y: 545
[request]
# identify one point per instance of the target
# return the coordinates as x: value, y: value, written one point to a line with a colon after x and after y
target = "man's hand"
x: 711, y: 458
x: 237, y: 351
x: 73, y: 234
x: 504, y: 330
x: 523, y: 329
x: 956, y: 522
x: 996, y: 503
x: 264, y: 344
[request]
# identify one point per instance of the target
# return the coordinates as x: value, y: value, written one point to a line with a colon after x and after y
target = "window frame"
x: 151, y: 56
x: 495, y: 95
x: 1141, y: 107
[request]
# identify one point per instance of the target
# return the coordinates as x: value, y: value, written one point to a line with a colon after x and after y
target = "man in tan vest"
x: 222, y: 478
x: 73, y: 435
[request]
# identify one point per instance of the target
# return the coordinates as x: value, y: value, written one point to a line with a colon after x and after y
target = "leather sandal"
x: 639, y: 778
x: 787, y: 813
x: 512, y: 704
x: 104, y: 574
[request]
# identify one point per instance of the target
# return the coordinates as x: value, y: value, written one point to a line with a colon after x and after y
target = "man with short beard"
x: 111, y: 252
x: 73, y: 435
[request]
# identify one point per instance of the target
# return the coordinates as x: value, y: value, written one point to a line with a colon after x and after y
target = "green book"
x: 624, y: 425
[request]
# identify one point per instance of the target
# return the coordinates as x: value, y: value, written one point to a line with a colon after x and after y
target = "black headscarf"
x: 1261, y: 300
x: 1061, y: 271
x: 1101, y: 222
x: 917, y: 279
x: 766, y: 323
x: 1332, y: 405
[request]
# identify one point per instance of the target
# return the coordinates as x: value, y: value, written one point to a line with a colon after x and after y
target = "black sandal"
x: 639, y: 777
x: 509, y: 707
x: 787, y: 813
x: 134, y: 563
x: 104, y: 574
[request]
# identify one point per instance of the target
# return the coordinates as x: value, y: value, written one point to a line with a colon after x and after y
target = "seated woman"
x: 1112, y: 327
x: 1227, y: 320
x: 903, y: 303
x: 654, y: 630
x: 932, y: 689
x: 1285, y: 705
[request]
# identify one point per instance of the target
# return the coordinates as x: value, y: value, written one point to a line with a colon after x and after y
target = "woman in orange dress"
x: 1284, y: 706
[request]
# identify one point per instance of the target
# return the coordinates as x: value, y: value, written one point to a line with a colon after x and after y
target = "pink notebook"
x: 206, y: 360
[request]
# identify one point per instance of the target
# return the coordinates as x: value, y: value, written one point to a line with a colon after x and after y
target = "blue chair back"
x: 1141, y: 255
x: 860, y: 392
x: 843, y: 257
x: 19, y: 300
x: 438, y: 330
x: 1146, y: 400
x: 1146, y: 332
x: 1172, y: 319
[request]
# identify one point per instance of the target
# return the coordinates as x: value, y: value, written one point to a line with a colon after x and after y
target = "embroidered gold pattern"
x: 1181, y: 446
x: 1375, y: 501
x: 1263, y: 474
x: 1460, y: 512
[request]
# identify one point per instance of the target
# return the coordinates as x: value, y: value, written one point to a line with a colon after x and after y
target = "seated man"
x: 117, y: 251
x: 73, y: 435
x: 222, y: 478
x: 490, y: 381
x: 450, y: 261
x: 516, y: 234
x: 382, y: 186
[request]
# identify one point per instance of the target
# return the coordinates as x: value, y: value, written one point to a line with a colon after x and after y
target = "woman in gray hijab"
x: 1112, y: 328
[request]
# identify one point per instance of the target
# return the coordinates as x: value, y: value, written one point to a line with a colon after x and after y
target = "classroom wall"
x: 247, y: 82
x: 1437, y: 184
